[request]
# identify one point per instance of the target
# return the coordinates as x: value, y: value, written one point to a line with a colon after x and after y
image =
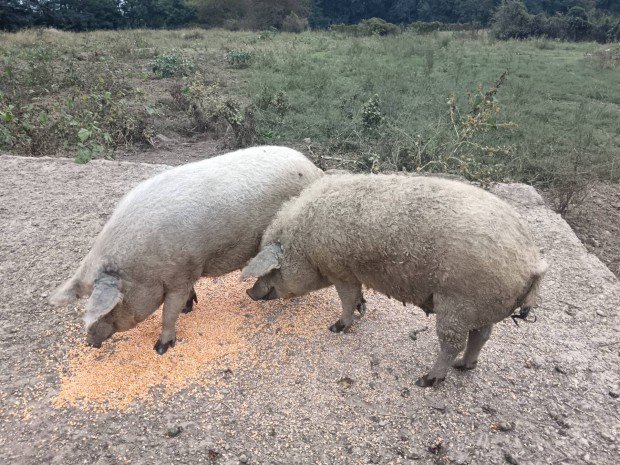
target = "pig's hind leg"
x: 189, y: 305
x: 452, y: 338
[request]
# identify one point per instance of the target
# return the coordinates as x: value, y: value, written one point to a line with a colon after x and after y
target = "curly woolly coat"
x: 448, y: 247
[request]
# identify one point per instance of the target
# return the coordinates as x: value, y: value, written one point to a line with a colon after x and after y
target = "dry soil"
x: 280, y: 388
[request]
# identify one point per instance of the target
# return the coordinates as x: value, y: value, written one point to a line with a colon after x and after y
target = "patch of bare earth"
x: 596, y: 221
x: 292, y: 392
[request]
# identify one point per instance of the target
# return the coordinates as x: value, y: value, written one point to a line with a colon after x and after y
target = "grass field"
x: 408, y: 101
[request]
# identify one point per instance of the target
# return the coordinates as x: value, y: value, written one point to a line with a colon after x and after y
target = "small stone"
x: 243, y: 458
x: 559, y: 369
x: 345, y: 382
x: 505, y: 426
x: 404, y: 435
x: 435, y: 446
x: 534, y: 362
x: 436, y: 404
x: 510, y: 459
x: 174, y: 431
x: 601, y: 313
x: 488, y: 409
x: 475, y: 410
x: 413, y: 334
x: 607, y: 437
x: 413, y: 454
x: 613, y: 394
x: 405, y: 392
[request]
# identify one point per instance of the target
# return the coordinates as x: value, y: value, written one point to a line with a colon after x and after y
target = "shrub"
x: 239, y: 58
x: 213, y: 111
x: 171, y: 64
x: 293, y: 23
x: 377, y: 26
x: 368, y: 27
x: 371, y: 114
x: 511, y: 21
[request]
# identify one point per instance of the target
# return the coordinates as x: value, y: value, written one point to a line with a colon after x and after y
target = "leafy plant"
x: 171, y: 64
x: 371, y: 114
x: 239, y: 58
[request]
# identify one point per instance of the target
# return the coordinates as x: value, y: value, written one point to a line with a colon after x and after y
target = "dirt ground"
x: 543, y: 393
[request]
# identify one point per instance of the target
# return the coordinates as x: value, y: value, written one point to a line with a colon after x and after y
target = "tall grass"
x: 418, y: 102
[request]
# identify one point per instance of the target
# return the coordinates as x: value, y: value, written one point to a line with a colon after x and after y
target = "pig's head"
x: 106, y: 312
x: 282, y: 273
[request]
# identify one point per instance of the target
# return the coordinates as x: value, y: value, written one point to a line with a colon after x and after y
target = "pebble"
x: 345, y: 382
x: 510, y: 459
x: 174, y: 431
x: 583, y: 442
x: 613, y: 394
x: 600, y: 313
x: 435, y: 446
x: 505, y: 426
x: 436, y: 404
x: 607, y: 437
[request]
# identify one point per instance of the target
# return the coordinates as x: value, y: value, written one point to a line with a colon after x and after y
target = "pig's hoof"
x: 189, y: 305
x: 361, y: 307
x: 95, y: 345
x: 188, y: 308
x: 425, y: 381
x: 461, y: 365
x: 161, y: 347
x: 337, y: 327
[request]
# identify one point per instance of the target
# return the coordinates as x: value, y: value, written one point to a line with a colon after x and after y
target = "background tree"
x: 17, y: 14
x: 157, y: 13
x: 511, y: 21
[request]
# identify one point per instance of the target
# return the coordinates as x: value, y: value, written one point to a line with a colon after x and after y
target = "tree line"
x: 294, y: 15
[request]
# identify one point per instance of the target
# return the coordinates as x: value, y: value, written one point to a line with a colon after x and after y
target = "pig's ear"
x: 267, y: 259
x: 105, y: 296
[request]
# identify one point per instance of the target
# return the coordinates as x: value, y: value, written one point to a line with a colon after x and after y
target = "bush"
x: 371, y: 114
x: 171, y: 64
x: 293, y: 23
x: 368, y: 27
x: 377, y: 26
x: 215, y: 112
x: 511, y: 21
x: 239, y: 58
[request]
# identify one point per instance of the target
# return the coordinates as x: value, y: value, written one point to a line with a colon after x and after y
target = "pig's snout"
x: 262, y: 292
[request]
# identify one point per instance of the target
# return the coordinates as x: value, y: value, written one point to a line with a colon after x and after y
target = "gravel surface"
x: 543, y: 393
